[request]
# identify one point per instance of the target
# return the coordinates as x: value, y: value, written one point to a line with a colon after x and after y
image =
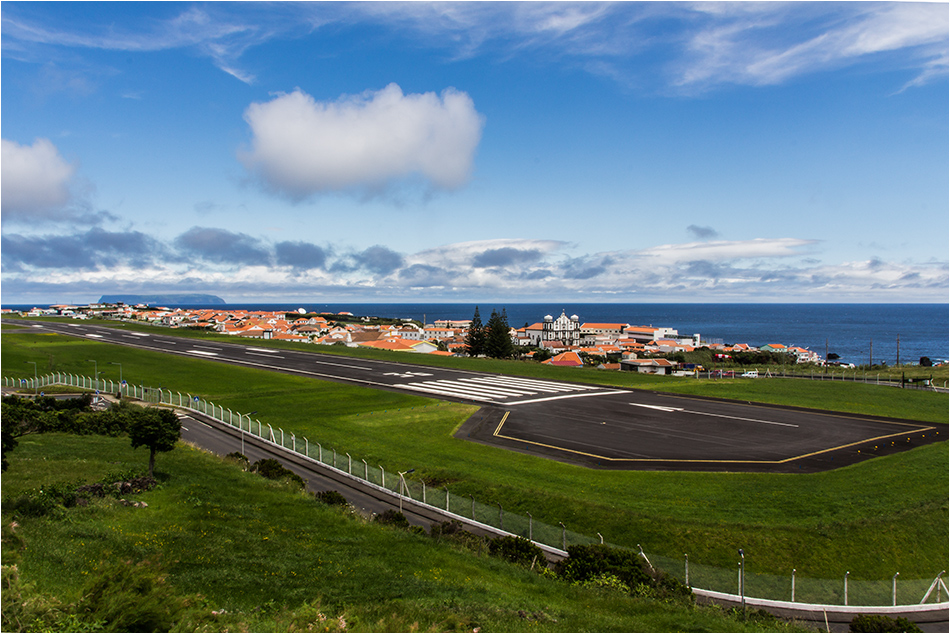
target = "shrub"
x: 585, y: 563
x: 516, y: 550
x: 882, y: 623
x: 333, y: 498
x: 392, y: 518
x: 49, y: 500
x: 273, y: 470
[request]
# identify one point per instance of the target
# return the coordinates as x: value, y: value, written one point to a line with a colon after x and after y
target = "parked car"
x: 751, y: 374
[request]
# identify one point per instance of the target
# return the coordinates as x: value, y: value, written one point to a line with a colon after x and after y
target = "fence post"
x: 446, y: 499
x: 846, y: 587
x: 334, y: 458
x: 793, y: 585
x: 894, y: 589
x: 382, y: 476
x: 530, y: 526
x: 293, y: 442
x: 365, y: 470
x: 349, y: 464
x: 423, y: 491
x: 281, y: 437
x: 320, y: 452
x: 601, y: 538
x: 306, y: 445
x: 501, y: 517
x: 687, y: 569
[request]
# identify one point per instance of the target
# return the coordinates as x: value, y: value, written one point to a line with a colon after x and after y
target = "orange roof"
x: 565, y: 358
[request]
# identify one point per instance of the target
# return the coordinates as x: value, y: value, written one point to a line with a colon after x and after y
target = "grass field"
x: 872, y: 519
x: 276, y: 560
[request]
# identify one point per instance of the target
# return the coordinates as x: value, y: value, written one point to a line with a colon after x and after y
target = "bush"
x: 882, y: 623
x: 517, y: 550
x: 585, y: 563
x: 273, y: 470
x: 392, y: 518
x: 49, y: 500
x: 333, y: 498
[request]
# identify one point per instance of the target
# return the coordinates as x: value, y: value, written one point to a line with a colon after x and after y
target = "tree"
x: 475, y: 339
x: 498, y: 343
x: 926, y: 362
x: 156, y: 428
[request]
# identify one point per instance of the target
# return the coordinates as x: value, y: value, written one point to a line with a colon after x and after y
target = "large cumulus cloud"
x: 36, y: 180
x: 368, y: 142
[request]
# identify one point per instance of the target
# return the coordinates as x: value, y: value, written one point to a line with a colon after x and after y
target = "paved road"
x: 596, y: 426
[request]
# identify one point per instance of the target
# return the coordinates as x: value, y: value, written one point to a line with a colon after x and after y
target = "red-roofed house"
x: 569, y: 359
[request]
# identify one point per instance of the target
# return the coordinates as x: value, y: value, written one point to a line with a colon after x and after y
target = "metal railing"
x: 797, y: 587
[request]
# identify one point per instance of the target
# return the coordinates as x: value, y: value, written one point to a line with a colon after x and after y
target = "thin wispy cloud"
x: 751, y: 43
x: 712, y: 43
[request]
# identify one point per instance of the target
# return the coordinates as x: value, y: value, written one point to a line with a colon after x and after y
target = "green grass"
x: 881, y: 516
x: 264, y: 553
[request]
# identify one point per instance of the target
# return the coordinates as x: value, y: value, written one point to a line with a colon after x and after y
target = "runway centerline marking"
x: 563, y: 396
x: 269, y: 355
x: 686, y: 411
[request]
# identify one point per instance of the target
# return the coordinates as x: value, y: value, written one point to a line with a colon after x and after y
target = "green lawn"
x: 276, y: 560
x: 872, y: 519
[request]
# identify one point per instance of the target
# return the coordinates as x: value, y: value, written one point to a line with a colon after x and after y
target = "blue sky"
x: 708, y: 152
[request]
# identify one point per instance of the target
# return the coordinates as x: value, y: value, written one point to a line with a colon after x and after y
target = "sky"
x: 466, y: 152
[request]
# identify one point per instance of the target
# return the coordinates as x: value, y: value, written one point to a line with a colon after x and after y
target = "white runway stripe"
x: 496, y: 388
x: 476, y: 389
x: 431, y: 390
x: 534, y: 386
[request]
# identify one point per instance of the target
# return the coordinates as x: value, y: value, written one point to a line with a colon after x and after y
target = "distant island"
x: 186, y: 299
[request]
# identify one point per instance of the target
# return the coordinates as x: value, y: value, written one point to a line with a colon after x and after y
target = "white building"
x: 564, y: 329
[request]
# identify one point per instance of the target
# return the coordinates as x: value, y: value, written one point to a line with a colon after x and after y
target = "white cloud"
x: 366, y: 142
x: 35, y: 180
x: 522, y: 270
x: 762, y: 44
x: 724, y: 250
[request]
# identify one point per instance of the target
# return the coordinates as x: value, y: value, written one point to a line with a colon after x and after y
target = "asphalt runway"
x: 594, y: 426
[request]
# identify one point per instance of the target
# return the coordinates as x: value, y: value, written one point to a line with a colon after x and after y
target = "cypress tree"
x: 498, y: 338
x: 475, y: 339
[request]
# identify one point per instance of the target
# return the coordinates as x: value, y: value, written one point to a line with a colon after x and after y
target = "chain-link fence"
x: 804, y: 587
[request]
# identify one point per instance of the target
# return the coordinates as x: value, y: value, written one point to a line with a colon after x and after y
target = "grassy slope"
x: 251, y: 546
x: 816, y: 523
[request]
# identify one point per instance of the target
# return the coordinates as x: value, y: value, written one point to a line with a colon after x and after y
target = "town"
x: 561, y: 341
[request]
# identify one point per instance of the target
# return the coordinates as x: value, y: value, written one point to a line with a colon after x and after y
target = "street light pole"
x: 36, y: 380
x: 120, y: 374
x: 742, y: 580
x: 96, y: 366
x: 402, y: 486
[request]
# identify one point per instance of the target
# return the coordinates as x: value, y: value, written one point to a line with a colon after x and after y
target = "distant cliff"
x: 181, y: 299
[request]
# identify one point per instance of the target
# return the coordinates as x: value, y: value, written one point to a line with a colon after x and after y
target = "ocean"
x: 856, y: 332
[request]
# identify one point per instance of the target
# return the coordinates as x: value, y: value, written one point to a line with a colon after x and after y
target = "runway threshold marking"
x: 687, y: 411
